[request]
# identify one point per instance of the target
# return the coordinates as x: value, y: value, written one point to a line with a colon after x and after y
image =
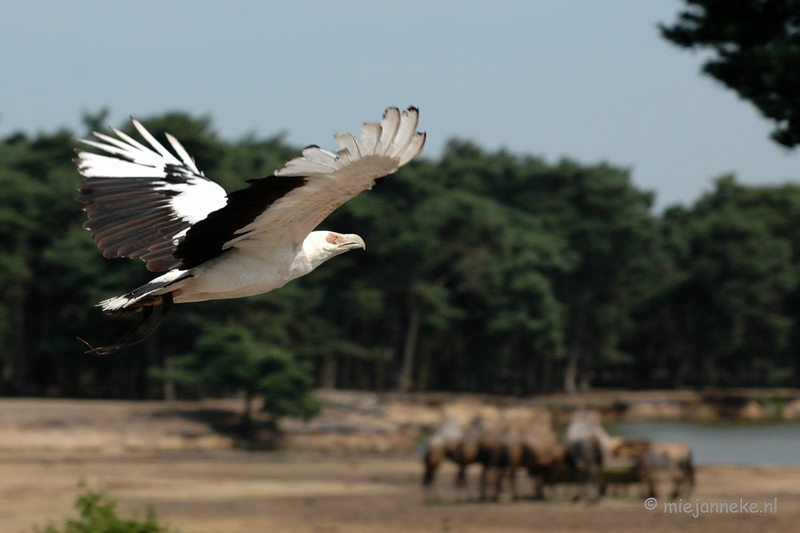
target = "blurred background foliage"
x: 485, y: 272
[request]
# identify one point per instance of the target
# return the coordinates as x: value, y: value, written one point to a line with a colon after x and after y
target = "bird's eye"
x: 333, y: 238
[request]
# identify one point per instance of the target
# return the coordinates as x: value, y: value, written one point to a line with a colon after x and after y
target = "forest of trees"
x: 485, y: 271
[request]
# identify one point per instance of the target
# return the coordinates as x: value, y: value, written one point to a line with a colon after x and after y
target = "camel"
x: 672, y: 460
x: 585, y: 451
x: 440, y: 446
x: 623, y: 464
x: 648, y: 462
x: 538, y: 451
x: 478, y: 443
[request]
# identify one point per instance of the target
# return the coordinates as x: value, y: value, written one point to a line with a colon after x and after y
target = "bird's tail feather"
x: 147, y: 295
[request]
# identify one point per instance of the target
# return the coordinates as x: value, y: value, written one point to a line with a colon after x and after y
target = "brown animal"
x: 622, y: 468
x: 631, y: 450
x: 443, y: 444
x: 670, y: 460
x: 478, y: 443
x: 538, y: 451
x: 649, y: 463
x: 585, y: 451
x: 488, y: 440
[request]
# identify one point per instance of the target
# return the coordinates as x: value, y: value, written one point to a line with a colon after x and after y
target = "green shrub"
x: 99, y: 515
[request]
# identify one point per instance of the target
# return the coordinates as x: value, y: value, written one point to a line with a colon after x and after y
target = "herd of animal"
x: 586, y: 463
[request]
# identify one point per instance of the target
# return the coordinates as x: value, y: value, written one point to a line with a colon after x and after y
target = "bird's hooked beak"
x: 351, y: 242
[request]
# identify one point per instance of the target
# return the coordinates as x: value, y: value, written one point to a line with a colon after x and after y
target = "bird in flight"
x: 144, y: 202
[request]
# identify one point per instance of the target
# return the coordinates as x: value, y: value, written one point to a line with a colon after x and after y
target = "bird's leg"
x: 145, y: 313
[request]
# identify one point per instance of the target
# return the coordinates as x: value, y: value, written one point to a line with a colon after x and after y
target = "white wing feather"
x: 194, y: 199
x: 389, y: 124
x: 370, y: 136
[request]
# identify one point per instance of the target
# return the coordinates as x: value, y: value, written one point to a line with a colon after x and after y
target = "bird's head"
x: 320, y: 246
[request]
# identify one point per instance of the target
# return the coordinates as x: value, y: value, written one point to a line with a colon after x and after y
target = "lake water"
x: 777, y: 444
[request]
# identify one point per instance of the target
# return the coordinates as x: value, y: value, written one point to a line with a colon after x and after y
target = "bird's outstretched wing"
x: 142, y: 200
x: 145, y: 203
x: 281, y: 210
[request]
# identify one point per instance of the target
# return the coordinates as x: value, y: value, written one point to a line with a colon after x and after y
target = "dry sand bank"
x: 234, y: 491
x: 180, y: 458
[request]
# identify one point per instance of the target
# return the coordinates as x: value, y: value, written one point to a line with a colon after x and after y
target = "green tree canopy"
x: 484, y: 271
x: 756, y: 52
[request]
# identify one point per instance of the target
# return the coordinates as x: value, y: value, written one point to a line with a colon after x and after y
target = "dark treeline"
x: 484, y: 272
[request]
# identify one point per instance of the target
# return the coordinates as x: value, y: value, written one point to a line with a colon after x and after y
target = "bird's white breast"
x: 236, y: 275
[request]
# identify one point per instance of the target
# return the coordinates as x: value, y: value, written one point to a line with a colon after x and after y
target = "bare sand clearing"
x: 238, y: 491
x: 178, y: 458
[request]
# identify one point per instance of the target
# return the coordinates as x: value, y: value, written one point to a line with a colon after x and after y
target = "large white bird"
x: 146, y: 203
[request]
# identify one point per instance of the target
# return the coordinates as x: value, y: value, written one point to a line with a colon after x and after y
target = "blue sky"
x: 592, y: 81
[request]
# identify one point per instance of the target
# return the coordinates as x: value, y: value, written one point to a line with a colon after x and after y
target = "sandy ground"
x: 179, y: 458
x: 238, y: 491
